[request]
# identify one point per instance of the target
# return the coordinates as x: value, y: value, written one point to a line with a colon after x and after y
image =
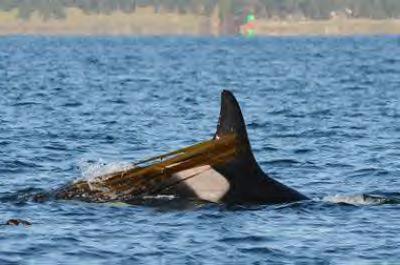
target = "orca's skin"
x: 237, y: 180
x: 245, y: 181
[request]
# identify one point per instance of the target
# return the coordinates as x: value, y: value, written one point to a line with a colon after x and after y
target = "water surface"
x: 322, y: 115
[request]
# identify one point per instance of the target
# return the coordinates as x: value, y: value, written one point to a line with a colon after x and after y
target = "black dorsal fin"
x: 248, y: 182
x: 231, y: 119
x: 230, y: 122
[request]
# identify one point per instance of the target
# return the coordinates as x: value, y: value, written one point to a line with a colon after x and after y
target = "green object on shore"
x: 250, y: 33
x: 250, y: 17
x: 249, y: 26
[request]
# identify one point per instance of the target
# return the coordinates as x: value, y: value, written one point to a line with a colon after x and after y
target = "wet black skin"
x: 248, y: 182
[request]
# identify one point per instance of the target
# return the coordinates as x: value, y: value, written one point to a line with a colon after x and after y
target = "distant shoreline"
x: 146, y: 23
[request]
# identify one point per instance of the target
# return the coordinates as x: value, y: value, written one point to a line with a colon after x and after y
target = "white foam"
x: 360, y: 199
x: 93, y: 171
x: 159, y: 197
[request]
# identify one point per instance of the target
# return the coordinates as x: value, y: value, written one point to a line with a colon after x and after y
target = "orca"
x: 220, y: 170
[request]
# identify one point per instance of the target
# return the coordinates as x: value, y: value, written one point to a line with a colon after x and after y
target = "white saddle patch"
x: 205, y: 181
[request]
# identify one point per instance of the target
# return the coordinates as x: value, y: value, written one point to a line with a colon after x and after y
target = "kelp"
x: 148, y: 176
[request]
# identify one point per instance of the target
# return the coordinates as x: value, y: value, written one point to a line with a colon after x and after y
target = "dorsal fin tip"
x: 230, y: 118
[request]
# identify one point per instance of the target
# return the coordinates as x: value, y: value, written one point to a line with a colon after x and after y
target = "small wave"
x: 256, y: 125
x: 26, y: 103
x: 257, y: 250
x: 265, y: 148
x: 286, y: 135
x: 20, y: 196
x: 72, y: 104
x: 302, y: 151
x: 361, y: 199
x: 283, y: 162
x: 338, y: 165
x: 249, y: 238
x: 117, y: 101
x: 91, y: 171
x: 365, y: 172
x: 5, y: 143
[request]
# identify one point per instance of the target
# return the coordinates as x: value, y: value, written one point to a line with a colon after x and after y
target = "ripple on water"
x: 319, y: 116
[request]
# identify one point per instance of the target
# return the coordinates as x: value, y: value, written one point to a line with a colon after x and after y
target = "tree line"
x: 269, y: 9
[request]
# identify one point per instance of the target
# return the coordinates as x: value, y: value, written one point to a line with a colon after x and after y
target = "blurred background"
x: 200, y: 17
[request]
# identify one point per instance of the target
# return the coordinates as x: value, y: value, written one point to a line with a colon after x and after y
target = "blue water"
x: 323, y: 117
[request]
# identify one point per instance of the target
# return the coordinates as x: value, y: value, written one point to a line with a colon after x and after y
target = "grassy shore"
x: 329, y: 27
x: 146, y: 22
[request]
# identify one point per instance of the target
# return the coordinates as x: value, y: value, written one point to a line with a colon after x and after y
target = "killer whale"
x: 221, y: 170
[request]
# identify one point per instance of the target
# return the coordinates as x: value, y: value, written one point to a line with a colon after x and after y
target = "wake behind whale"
x: 375, y: 198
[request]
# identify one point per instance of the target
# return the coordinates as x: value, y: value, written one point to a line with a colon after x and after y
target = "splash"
x: 358, y: 200
x: 93, y: 171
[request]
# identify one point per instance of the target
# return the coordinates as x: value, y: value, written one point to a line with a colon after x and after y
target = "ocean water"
x: 323, y: 117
